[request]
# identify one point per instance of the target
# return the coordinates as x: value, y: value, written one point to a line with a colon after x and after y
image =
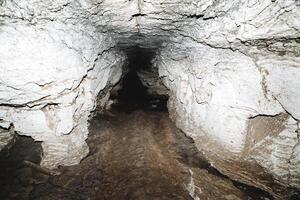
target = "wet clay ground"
x: 138, y: 155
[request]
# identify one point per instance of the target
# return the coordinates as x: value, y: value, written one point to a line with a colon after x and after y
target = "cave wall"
x: 231, y: 67
x: 218, y: 98
x: 232, y: 77
x: 50, y: 73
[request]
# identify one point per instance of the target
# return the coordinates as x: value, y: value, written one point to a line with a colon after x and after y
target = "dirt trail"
x: 133, y: 156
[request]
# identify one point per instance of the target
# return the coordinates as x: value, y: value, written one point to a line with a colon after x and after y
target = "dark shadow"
x: 133, y: 94
x: 132, y: 91
x: 15, y: 176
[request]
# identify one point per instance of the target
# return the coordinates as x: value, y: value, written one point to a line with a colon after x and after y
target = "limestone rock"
x: 50, y: 73
x: 225, y: 64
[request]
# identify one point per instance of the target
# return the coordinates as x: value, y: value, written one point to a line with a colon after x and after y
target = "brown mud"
x: 138, y: 155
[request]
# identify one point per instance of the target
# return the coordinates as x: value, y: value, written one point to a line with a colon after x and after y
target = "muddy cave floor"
x: 136, y: 154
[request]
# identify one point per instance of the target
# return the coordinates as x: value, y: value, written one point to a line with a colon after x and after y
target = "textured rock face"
x: 225, y: 106
x: 230, y: 80
x: 232, y: 69
x: 51, y: 71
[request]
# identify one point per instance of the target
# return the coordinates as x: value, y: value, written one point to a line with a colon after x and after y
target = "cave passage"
x: 133, y: 94
x: 134, y: 155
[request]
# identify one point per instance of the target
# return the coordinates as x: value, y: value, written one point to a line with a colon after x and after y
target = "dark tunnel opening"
x: 134, y: 92
x: 134, y: 155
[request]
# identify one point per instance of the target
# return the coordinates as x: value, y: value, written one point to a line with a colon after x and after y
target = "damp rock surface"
x: 136, y: 155
x: 230, y: 68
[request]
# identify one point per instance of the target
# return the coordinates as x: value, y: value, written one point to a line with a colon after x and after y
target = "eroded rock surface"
x: 231, y: 67
x: 51, y: 72
x: 137, y: 155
